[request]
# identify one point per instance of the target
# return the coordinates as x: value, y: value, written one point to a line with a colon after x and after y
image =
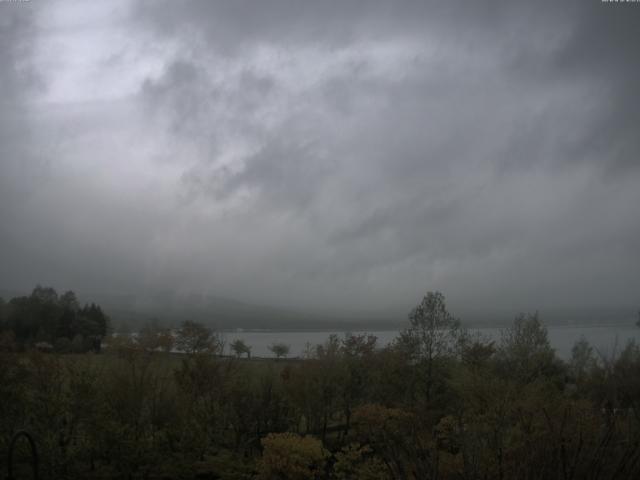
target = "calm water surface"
x: 605, y: 339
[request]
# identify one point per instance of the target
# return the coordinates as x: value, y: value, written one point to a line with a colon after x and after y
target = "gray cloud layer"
x: 339, y: 155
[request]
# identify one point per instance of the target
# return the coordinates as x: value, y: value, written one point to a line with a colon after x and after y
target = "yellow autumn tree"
x: 287, y: 456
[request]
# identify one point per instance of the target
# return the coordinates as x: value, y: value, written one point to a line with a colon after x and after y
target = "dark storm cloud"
x: 597, y: 50
x: 336, y: 153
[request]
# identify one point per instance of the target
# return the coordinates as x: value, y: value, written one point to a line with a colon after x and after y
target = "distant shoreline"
x: 401, y: 327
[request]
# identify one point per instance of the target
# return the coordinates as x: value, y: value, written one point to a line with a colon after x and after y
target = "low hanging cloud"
x: 337, y: 155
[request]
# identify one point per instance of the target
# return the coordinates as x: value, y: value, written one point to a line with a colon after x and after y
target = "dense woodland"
x: 50, y: 321
x: 438, y: 403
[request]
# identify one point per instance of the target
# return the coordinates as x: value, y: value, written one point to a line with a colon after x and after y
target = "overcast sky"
x: 336, y: 154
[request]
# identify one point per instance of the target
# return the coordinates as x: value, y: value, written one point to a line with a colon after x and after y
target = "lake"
x: 605, y: 339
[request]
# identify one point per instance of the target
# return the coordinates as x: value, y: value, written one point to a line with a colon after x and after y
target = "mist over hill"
x: 130, y: 311
x: 227, y: 313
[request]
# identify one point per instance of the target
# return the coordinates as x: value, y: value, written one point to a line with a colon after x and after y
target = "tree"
x: 152, y: 337
x: 394, y: 435
x: 475, y: 353
x: 280, y: 349
x: 359, y: 345
x: 63, y: 345
x: 356, y: 461
x: 35, y: 316
x: 526, y: 353
x: 433, y: 331
x: 289, y: 456
x: 93, y: 321
x: 67, y: 324
x: 147, y: 337
x: 3, y: 313
x: 78, y: 344
x: 433, y: 334
x: 165, y: 340
x: 68, y: 300
x: 44, y: 316
x: 44, y: 294
x: 582, y: 360
x: 239, y: 347
x: 193, y: 337
x: 7, y: 341
x: 357, y: 352
x: 315, y: 386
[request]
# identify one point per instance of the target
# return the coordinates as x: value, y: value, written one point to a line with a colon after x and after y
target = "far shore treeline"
x: 436, y: 403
